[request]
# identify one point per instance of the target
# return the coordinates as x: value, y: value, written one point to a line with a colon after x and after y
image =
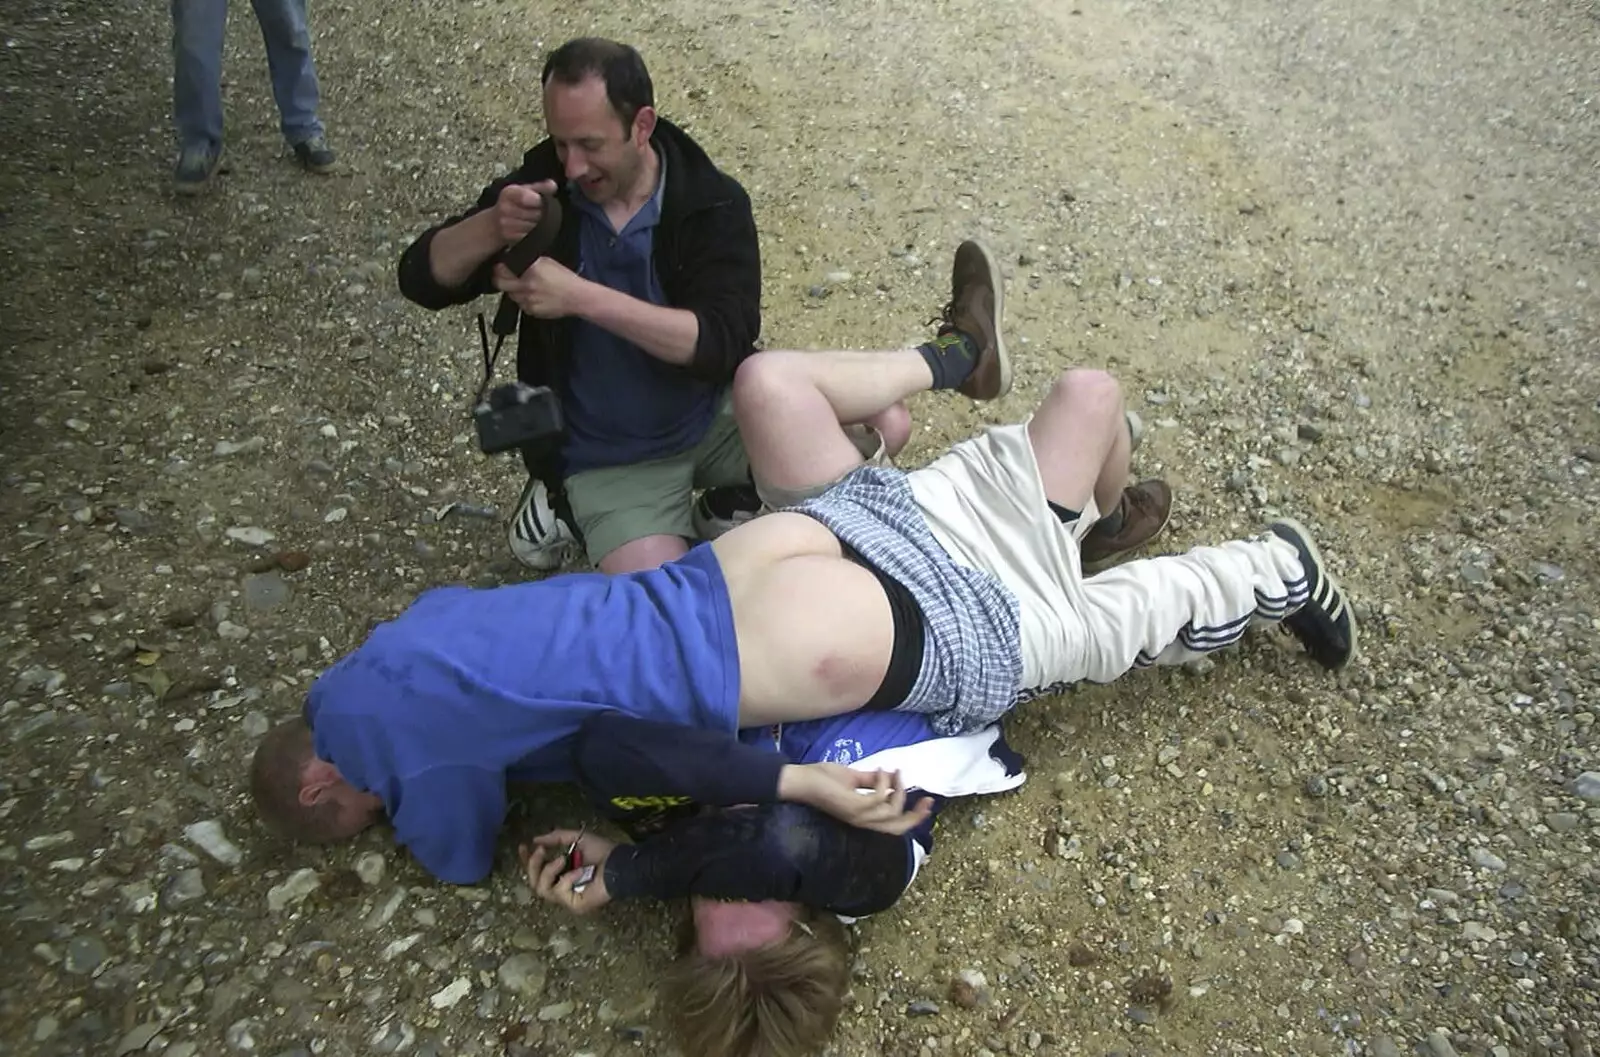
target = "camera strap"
x: 489, y: 358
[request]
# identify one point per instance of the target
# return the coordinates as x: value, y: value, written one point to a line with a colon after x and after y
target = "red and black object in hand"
x: 573, y: 860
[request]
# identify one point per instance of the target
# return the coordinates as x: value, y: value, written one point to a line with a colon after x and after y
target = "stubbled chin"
x: 723, y: 929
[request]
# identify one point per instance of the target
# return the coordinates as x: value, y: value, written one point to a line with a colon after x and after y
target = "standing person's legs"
x: 286, y: 32
x: 197, y: 35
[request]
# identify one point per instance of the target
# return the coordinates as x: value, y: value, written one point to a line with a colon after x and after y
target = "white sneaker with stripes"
x: 539, y: 539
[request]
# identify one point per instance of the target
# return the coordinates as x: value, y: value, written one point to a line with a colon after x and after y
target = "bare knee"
x: 1088, y: 394
x: 1088, y: 386
x: 642, y: 554
x: 894, y: 426
x: 761, y: 382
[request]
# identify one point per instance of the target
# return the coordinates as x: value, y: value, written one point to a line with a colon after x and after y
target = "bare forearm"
x: 458, y: 250
x: 668, y: 334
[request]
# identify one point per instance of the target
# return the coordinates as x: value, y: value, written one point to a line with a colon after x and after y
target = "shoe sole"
x: 1316, y: 555
x: 998, y: 287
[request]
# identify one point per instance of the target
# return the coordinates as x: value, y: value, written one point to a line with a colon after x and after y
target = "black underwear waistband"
x: 905, y: 657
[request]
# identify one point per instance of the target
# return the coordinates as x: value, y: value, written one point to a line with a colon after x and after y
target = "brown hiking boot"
x: 1145, y: 508
x: 977, y: 302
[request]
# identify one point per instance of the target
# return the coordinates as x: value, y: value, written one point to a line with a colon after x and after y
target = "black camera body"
x: 515, y: 415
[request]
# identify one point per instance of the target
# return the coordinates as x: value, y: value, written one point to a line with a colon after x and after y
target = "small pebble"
x: 370, y: 866
x: 294, y: 889
x: 1384, y: 1046
x: 1439, y: 1046
x: 209, y: 838
x: 85, y: 954
x: 453, y: 992
x: 1484, y: 859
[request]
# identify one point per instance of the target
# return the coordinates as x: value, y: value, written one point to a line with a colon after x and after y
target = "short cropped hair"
x: 778, y: 1001
x: 275, y: 775
x: 620, y: 68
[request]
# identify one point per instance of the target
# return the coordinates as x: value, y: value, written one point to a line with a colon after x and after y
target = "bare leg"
x: 791, y: 407
x: 647, y: 552
x: 1080, y: 438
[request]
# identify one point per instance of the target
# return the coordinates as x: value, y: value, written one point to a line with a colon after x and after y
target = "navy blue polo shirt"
x: 622, y: 404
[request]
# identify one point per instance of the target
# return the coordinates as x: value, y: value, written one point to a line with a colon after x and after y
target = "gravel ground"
x: 1344, y: 257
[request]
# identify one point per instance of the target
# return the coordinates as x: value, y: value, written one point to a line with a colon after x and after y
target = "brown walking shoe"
x: 977, y: 301
x: 1145, y: 508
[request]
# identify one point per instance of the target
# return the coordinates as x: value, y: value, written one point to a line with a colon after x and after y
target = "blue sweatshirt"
x: 469, y: 688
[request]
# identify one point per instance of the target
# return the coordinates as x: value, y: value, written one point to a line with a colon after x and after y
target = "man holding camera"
x: 646, y: 302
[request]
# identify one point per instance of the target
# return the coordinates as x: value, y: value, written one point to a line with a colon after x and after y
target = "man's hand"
x: 518, y: 209
x: 874, y: 800
x: 546, y: 290
x: 552, y: 882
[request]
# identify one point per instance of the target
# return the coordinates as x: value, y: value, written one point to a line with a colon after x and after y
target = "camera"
x: 515, y: 415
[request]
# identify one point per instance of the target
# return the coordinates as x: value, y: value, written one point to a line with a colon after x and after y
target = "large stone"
x: 523, y: 974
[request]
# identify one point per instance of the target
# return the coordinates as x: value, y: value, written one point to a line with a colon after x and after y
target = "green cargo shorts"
x: 615, y: 505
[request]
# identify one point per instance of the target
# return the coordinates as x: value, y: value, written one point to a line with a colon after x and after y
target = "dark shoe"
x: 197, y: 164
x: 1145, y: 508
x: 1324, y: 625
x: 718, y: 511
x: 977, y: 303
x: 316, y: 155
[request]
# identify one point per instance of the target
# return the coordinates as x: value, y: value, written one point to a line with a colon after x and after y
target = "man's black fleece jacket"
x: 707, y: 257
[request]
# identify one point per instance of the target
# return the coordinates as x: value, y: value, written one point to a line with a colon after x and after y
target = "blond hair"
x: 275, y: 776
x: 782, y: 1000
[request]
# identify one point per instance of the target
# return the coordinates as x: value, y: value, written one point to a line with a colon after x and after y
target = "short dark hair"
x: 620, y: 68
x: 275, y: 774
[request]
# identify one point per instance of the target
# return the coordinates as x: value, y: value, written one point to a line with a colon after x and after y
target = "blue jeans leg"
x: 287, y: 34
x: 197, y: 28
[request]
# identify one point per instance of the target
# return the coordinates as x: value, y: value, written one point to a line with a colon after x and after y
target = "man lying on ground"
x: 765, y: 966
x: 955, y: 590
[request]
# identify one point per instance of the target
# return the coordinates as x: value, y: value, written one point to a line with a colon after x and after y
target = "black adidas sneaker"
x: 1324, y: 625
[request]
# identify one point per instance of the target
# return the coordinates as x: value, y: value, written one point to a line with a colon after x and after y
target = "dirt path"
x: 1345, y: 258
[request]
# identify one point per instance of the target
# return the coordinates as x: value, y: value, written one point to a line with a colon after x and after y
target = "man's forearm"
x: 668, y: 334
x: 458, y: 250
